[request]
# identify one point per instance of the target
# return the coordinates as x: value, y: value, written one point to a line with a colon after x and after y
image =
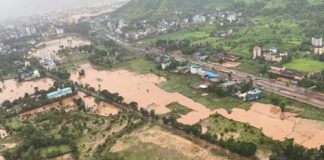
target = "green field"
x: 225, y: 128
x: 73, y: 60
x: 306, y: 65
x: 281, y: 33
x: 54, y: 150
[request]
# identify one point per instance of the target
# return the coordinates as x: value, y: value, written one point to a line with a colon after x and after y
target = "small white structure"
x: 195, y: 68
x: 199, y: 19
x: 36, y: 74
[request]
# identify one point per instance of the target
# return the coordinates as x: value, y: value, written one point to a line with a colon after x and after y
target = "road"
x: 292, y: 92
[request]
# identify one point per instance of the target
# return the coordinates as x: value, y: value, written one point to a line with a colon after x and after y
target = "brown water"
x: 103, y: 109
x: 279, y: 126
x: 11, y: 89
x: 142, y: 89
x: 51, y: 47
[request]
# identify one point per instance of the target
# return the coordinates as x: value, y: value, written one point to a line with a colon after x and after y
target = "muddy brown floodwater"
x: 142, y: 89
x: 102, y: 109
x: 49, y: 49
x: 279, y: 126
x: 145, y: 90
x: 11, y: 89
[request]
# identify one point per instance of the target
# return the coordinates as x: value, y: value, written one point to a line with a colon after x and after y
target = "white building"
x: 199, y: 19
x: 195, y: 69
x: 59, y: 31
x: 257, y: 52
x: 317, y: 42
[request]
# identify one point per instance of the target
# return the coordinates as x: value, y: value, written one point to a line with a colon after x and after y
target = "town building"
x: 275, y: 56
x: 318, y: 45
x: 195, y: 68
x: 210, y: 75
x: 199, y: 19
x: 287, y: 73
x: 59, y: 93
x: 257, y: 52
x: 229, y: 84
x: 165, y: 65
x: 251, y: 95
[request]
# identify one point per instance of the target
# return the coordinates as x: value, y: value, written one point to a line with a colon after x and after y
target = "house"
x: 257, y: 52
x: 59, y: 93
x: 211, y: 75
x: 274, y: 56
x: 287, y: 73
x: 253, y: 94
x: 165, y: 65
x: 223, y: 33
x: 48, y: 64
x: 228, y: 84
x: 318, y: 45
x: 231, y: 17
x: 317, y: 42
x: 199, y: 19
x: 195, y: 68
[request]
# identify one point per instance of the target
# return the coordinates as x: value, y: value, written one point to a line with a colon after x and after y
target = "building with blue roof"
x: 59, y: 93
x: 212, y: 76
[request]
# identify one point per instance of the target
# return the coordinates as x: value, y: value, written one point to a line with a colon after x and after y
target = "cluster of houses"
x: 318, y: 47
x: 148, y: 27
x: 48, y: 64
x: 25, y: 72
x: 213, y: 76
x: 270, y: 55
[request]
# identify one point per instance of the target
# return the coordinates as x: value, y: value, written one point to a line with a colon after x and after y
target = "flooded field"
x: 103, y: 109
x: 143, y: 89
x: 279, y: 126
x: 11, y: 89
x: 50, y: 48
x: 67, y: 102
x: 155, y: 136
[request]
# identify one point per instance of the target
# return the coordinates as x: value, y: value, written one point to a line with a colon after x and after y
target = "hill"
x: 138, y: 9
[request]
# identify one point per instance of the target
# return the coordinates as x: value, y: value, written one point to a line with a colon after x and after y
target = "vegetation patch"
x: 306, y: 65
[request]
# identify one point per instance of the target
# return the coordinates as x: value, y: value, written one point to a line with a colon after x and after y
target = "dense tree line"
x: 247, y: 149
x: 287, y: 150
x: 35, y: 138
x: 316, y: 79
x: 29, y: 102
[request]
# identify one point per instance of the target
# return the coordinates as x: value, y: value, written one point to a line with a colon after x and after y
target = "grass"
x: 303, y: 110
x: 72, y: 61
x: 177, y: 110
x: 306, y: 65
x: 140, y: 65
x: 222, y: 127
x: 140, y: 151
x: 53, y: 151
x: 13, y: 123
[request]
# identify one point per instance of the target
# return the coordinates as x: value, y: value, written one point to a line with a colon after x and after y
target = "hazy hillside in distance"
x: 17, y: 8
x: 165, y: 8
